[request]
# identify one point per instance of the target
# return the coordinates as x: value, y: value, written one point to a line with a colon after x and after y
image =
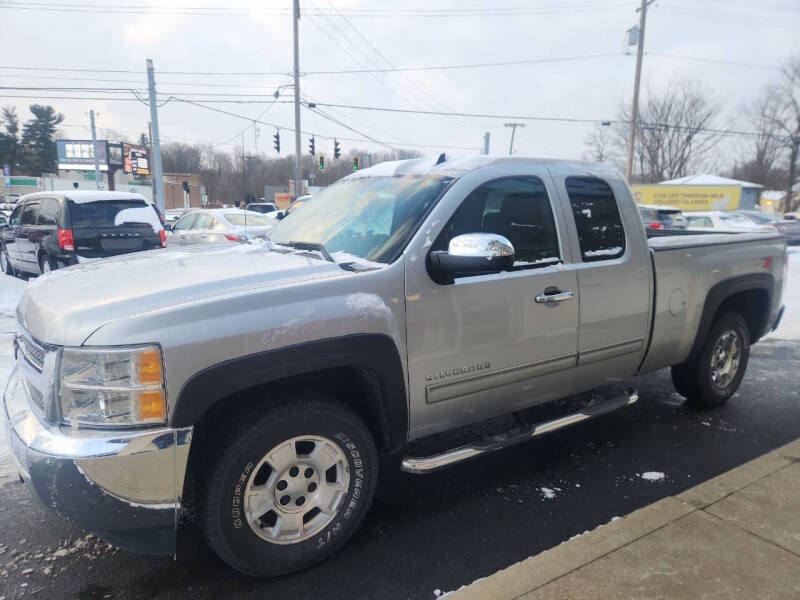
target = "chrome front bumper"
x: 124, y: 486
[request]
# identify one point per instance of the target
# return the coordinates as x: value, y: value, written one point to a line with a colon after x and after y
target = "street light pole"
x: 297, y: 132
x: 637, y: 79
x: 97, y: 175
x: 155, y: 144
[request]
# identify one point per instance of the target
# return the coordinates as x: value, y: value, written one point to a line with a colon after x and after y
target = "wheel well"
x: 753, y: 305
x: 357, y: 387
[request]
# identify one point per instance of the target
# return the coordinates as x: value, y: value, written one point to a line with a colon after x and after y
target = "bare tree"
x: 787, y: 121
x: 674, y: 135
x: 598, y: 144
x: 761, y: 155
x: 177, y: 157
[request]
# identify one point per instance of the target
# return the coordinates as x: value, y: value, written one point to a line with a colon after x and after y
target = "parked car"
x: 49, y: 230
x: 662, y: 217
x: 789, y: 228
x: 217, y: 225
x: 721, y: 221
x: 262, y: 207
x: 257, y: 384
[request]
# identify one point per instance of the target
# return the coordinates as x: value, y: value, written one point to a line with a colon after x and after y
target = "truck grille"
x: 32, y: 351
x: 36, y: 397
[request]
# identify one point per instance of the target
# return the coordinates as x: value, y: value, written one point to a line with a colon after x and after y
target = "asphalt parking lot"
x: 426, y: 535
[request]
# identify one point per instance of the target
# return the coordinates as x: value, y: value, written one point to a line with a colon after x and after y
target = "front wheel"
x: 288, y: 487
x: 714, y: 375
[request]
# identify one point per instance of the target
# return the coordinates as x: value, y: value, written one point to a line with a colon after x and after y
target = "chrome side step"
x: 418, y: 465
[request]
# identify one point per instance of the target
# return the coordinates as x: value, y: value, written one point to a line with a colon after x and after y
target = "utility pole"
x: 158, y: 176
x: 97, y: 175
x: 513, y: 131
x: 297, y: 133
x: 486, y: 143
x: 642, y: 10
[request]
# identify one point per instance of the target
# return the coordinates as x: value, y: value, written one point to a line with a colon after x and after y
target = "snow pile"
x: 11, y: 290
x: 652, y: 476
x: 789, y: 329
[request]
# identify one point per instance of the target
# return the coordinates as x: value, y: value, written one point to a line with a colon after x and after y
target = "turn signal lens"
x: 152, y: 406
x: 150, y: 367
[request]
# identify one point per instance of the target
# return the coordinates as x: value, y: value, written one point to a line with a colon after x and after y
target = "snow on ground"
x: 11, y: 289
x: 652, y: 476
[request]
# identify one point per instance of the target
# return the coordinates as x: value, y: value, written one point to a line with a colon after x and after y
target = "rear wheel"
x: 47, y: 264
x: 5, y: 264
x: 715, y: 374
x: 286, y: 488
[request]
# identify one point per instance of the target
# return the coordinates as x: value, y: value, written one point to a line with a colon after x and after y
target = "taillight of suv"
x: 65, y: 240
x: 163, y: 235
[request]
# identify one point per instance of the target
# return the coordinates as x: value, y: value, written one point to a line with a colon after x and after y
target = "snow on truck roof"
x: 463, y: 164
x: 82, y: 196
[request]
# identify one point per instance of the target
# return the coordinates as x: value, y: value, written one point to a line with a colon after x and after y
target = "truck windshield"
x: 368, y: 217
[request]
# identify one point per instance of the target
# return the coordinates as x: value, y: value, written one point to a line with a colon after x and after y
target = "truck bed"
x: 687, y: 267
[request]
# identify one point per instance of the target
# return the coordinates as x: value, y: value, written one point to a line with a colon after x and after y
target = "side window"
x: 699, y: 221
x: 600, y: 232
x: 203, y: 222
x: 48, y: 213
x: 184, y: 222
x: 517, y: 208
x: 16, y: 216
x: 29, y: 213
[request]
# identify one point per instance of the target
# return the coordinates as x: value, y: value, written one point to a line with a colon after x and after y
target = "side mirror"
x: 281, y: 214
x: 471, y: 254
x: 167, y: 227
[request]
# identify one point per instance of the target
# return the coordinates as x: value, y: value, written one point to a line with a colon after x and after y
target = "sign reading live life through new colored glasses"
x: 689, y: 197
x: 135, y: 159
x: 78, y: 155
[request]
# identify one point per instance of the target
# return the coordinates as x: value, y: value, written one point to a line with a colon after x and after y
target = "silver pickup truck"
x: 254, y: 386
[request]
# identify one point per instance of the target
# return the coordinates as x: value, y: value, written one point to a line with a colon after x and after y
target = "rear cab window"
x: 601, y: 234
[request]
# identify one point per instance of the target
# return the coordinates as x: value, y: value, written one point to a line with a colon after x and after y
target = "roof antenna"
x: 441, y: 159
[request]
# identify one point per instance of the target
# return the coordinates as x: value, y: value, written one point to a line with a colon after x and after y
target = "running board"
x: 418, y: 465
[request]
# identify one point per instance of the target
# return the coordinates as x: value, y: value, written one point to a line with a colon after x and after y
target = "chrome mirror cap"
x: 481, y: 245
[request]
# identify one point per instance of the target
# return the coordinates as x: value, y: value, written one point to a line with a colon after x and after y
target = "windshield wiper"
x: 318, y: 246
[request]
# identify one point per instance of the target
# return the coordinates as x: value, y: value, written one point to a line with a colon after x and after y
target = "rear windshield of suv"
x: 113, y: 213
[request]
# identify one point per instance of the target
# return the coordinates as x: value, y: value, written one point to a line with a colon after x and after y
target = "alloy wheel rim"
x: 45, y: 267
x: 725, y: 359
x: 296, y: 489
x: 3, y: 262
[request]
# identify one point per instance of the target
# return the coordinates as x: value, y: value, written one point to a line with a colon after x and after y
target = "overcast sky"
x: 253, y: 36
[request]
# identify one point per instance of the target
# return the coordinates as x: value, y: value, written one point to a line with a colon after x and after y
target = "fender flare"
x: 376, y: 352
x: 723, y: 290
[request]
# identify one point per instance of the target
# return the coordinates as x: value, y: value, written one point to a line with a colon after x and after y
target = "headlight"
x: 112, y: 386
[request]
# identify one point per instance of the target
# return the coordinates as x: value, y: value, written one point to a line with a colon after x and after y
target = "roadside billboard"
x: 135, y: 160
x: 689, y: 197
x: 78, y: 155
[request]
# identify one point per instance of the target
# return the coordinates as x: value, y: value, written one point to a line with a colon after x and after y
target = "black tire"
x: 694, y: 379
x: 234, y: 463
x: 5, y: 262
x: 47, y: 261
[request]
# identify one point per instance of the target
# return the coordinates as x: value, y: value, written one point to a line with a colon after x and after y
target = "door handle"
x: 555, y: 297
x: 183, y: 237
x: 203, y: 235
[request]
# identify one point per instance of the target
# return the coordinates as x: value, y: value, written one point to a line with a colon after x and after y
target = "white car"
x: 217, y: 225
x: 718, y: 220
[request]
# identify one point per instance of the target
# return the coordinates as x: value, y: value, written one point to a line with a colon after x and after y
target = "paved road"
x: 441, y: 531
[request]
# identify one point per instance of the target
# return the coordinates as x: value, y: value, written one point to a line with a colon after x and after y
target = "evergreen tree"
x: 143, y: 141
x: 39, y: 140
x: 9, y: 136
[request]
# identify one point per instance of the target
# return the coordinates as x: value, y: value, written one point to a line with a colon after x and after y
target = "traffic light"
x: 321, y: 162
x: 277, y: 141
x: 355, y: 163
x: 311, y: 146
x: 337, y: 151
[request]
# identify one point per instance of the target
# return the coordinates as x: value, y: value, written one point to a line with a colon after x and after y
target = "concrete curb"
x: 566, y: 559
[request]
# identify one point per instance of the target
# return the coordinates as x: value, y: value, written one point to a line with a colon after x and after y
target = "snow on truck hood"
x: 66, y: 306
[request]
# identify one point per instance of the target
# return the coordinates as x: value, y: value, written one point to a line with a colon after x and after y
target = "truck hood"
x: 66, y: 306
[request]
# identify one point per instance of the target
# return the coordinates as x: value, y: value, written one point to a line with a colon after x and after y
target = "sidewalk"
x: 734, y: 536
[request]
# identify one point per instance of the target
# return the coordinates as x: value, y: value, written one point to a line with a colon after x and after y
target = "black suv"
x: 48, y: 230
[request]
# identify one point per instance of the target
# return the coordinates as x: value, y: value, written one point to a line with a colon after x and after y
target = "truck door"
x: 485, y: 345
x: 614, y: 277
